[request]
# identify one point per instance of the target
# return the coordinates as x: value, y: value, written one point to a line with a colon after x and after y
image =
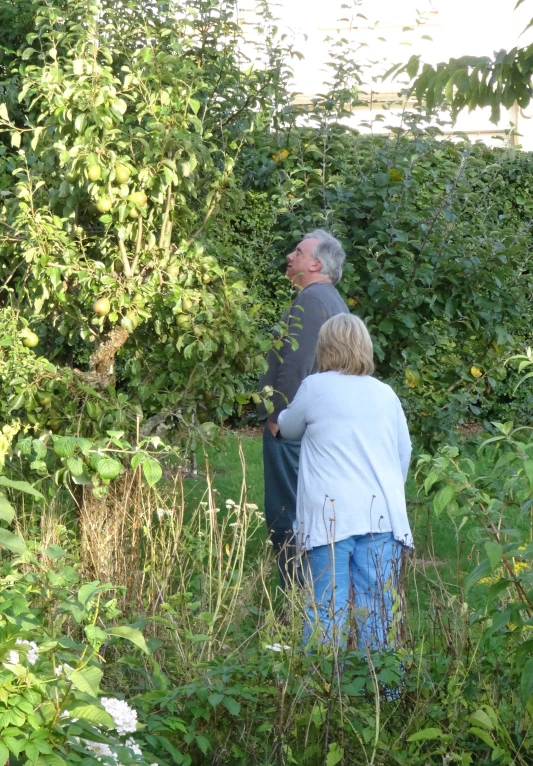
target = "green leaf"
x: 4, y: 113
x: 130, y: 634
x: 430, y: 480
x: 108, y: 468
x: 494, y: 552
x: 442, y: 498
x: 137, y: 459
x: 87, y: 680
x: 12, y: 542
x: 426, y: 734
x: 335, y: 754
x: 4, y: 754
x: 528, y: 468
x: 203, y: 743
x: 65, y: 446
x: 20, y: 486
x: 152, y: 471
x: 75, y: 465
x: 231, y: 705
x: 480, y: 718
x: 91, y: 713
x: 95, y: 635
x: 54, y: 552
x: 527, y: 680
x: 482, y: 570
x: 7, y: 512
x: 215, y: 699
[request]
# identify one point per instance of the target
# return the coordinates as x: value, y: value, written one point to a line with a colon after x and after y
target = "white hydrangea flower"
x: 277, y: 647
x: 60, y: 669
x: 125, y: 717
x: 33, y: 652
x: 100, y: 750
x: 134, y: 747
x: 13, y: 657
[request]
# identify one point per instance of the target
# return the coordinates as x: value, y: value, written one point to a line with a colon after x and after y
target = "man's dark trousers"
x: 280, y: 461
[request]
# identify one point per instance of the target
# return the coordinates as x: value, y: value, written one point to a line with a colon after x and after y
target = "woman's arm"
x: 404, y: 442
x: 292, y: 422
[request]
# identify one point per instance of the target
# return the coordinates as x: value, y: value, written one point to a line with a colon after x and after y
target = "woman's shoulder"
x: 333, y: 379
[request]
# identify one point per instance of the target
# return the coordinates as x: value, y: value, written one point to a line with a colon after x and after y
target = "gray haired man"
x: 314, y: 268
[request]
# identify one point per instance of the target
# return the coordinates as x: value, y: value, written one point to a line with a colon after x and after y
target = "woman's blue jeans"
x: 356, y: 577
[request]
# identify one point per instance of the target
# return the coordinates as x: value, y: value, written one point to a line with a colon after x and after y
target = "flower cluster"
x: 66, y: 669
x: 277, y: 647
x: 101, y: 750
x: 162, y: 512
x: 32, y: 654
x: 125, y: 717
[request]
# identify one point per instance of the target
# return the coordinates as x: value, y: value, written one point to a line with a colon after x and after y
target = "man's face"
x: 301, y: 264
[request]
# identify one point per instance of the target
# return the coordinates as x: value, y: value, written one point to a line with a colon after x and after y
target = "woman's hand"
x: 274, y: 428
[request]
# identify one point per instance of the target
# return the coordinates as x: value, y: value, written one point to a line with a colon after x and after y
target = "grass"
x: 439, y: 550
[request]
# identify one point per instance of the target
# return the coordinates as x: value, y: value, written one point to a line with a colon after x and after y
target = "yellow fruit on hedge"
x: 104, y: 204
x: 30, y: 340
x: 139, y: 198
x: 186, y: 304
x: 133, y: 212
x: 54, y: 425
x: 122, y: 174
x: 94, y: 172
x: 352, y: 302
x: 476, y: 372
x: 102, y: 307
x: 182, y: 320
x: 283, y: 154
x: 133, y: 318
x: 44, y: 401
x: 173, y: 270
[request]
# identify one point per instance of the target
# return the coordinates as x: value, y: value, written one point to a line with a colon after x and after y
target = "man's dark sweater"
x: 313, y: 306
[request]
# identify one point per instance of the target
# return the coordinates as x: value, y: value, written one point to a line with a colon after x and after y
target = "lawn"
x: 441, y: 554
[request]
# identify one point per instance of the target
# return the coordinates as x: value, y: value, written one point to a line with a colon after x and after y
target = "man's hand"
x: 274, y: 428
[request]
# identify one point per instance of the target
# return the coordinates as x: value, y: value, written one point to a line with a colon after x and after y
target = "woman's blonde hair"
x: 344, y: 345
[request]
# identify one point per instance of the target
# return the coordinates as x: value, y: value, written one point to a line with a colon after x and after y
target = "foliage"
x: 438, y: 243
x: 52, y: 639
x: 124, y: 153
x: 474, y: 81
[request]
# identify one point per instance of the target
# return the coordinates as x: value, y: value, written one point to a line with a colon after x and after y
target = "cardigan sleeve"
x: 404, y: 441
x: 292, y: 421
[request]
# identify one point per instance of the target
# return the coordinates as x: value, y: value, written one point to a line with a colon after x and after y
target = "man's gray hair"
x: 329, y: 252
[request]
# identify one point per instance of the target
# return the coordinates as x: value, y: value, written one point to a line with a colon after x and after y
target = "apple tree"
x: 130, y: 118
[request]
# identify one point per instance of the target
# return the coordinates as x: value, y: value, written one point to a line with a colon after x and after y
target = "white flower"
x: 252, y: 507
x: 99, y: 749
x: 13, y: 657
x: 33, y: 652
x: 134, y: 747
x: 277, y: 647
x: 60, y: 669
x: 230, y: 503
x: 235, y: 524
x: 160, y: 513
x: 125, y: 717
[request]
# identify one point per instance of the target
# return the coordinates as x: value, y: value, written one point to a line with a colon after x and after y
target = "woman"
x: 351, y: 517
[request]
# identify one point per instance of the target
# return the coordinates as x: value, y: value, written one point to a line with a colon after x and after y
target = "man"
x: 314, y: 268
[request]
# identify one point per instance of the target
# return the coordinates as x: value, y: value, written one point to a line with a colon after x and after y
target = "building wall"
x: 380, y: 33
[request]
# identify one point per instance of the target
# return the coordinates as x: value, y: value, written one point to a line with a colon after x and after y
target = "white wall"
x: 456, y: 27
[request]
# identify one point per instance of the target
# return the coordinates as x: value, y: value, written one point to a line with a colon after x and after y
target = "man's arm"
x: 307, y: 316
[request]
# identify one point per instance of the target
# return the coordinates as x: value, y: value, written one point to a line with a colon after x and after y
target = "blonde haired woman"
x: 351, y: 516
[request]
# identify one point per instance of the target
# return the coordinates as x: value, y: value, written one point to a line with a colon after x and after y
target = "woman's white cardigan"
x: 354, y: 460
